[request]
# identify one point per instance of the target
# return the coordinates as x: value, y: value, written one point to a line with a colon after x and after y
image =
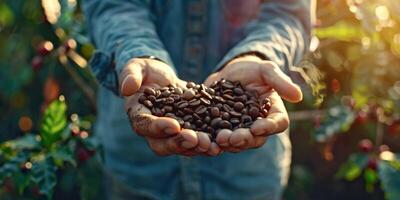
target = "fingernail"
x: 200, y: 149
x: 124, y: 82
x: 225, y: 144
x: 170, y: 131
x: 187, y: 145
x: 239, y: 144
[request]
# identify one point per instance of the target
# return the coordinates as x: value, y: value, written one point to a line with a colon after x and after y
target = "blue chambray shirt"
x: 195, y: 37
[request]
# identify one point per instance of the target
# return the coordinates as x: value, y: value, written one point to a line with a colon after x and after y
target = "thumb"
x: 280, y: 82
x: 213, y: 77
x: 131, y: 79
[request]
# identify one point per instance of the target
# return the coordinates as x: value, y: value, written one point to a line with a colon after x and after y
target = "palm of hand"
x: 267, y: 79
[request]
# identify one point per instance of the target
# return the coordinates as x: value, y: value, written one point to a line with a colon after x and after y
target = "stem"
x: 379, y: 134
x: 87, y: 91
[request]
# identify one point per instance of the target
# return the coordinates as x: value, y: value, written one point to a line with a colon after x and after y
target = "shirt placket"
x: 195, y: 38
x: 194, y: 52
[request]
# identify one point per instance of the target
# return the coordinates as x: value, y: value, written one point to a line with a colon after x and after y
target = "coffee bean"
x: 157, y: 111
x: 158, y: 93
x: 235, y: 121
x: 178, y: 91
x: 166, y: 93
x: 187, y: 110
x: 227, y: 108
x: 149, y: 91
x: 219, y: 99
x: 180, y: 121
x: 172, y: 115
x: 238, y: 106
x: 205, y: 101
x: 200, y: 110
x: 210, y: 91
x: 267, y: 105
x: 207, y: 119
x: 187, y: 118
x: 175, y: 97
x: 227, y: 85
x: 229, y: 92
x: 254, y: 112
x: 225, y: 104
x: 235, y: 114
x: 226, y: 116
x: 182, y: 104
x: 147, y: 103
x: 168, y: 108
x: 142, y: 98
x: 227, y: 97
x: 151, y: 98
x: 194, y: 102
x: 180, y: 113
x: 198, y: 123
x: 190, y: 84
x: 169, y: 100
x: 238, y: 91
x: 214, y: 112
x: 225, y: 124
x: 215, y: 122
x: 188, y: 94
x: 246, y: 118
x: 205, y: 94
x: 196, y: 116
x: 187, y: 125
x: 164, y: 89
x: 230, y: 103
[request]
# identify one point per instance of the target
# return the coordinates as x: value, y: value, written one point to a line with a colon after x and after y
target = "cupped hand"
x: 163, y: 134
x: 267, y: 79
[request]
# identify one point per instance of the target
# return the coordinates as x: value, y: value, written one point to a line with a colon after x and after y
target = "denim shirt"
x: 194, y: 37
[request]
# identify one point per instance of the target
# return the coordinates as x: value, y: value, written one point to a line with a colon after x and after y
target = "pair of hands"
x: 165, y: 136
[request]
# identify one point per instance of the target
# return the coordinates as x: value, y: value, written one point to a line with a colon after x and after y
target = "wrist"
x: 248, y: 56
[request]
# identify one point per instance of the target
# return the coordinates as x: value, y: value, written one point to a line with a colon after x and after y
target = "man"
x: 154, y: 43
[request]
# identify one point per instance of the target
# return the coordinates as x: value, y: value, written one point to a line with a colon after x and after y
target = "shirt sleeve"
x: 121, y: 30
x: 280, y: 33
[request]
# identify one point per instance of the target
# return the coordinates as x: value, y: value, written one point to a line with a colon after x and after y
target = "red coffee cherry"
x: 37, y: 63
x: 365, y: 145
x: 44, y: 48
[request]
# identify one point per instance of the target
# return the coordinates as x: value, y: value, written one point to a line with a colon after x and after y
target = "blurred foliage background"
x: 345, y: 134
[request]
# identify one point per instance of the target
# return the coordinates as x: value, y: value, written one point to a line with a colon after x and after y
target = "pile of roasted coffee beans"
x: 223, y: 105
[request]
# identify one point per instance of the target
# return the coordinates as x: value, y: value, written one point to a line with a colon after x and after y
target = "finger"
x: 223, y: 137
x: 131, y: 79
x: 191, y: 139
x: 277, y: 120
x: 214, y: 150
x: 259, y: 141
x: 213, y: 77
x: 273, y: 76
x: 178, y: 144
x: 146, y: 124
x: 241, y: 138
x: 204, y: 142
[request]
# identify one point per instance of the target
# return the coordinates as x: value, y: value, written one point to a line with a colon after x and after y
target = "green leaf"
x: 21, y: 181
x: 338, y: 120
x: 62, y: 155
x: 26, y: 142
x: 6, y: 15
x: 390, y: 180
x: 352, y: 169
x: 13, y: 165
x: 44, y: 175
x: 54, y: 121
x: 370, y: 177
